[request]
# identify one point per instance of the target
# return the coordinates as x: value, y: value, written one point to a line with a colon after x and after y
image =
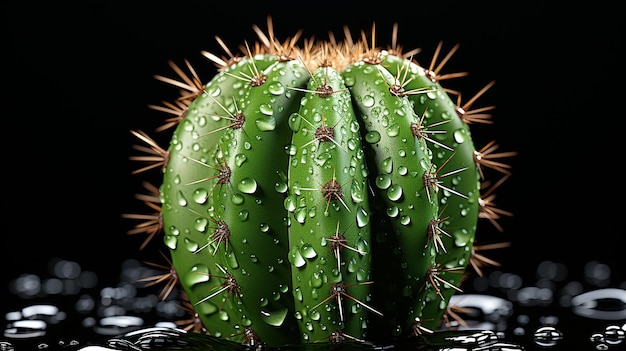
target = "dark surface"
x: 78, y: 78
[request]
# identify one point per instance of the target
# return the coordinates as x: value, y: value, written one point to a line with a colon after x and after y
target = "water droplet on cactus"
x: 290, y: 203
x: 223, y: 315
x: 460, y: 135
x: 274, y: 318
x: 392, y: 211
x: 315, y: 315
x: 243, y: 215
x: 405, y: 220
x: 372, y: 137
x: 266, y: 124
x: 276, y: 88
x: 387, y: 165
x: 383, y: 181
x: 281, y: 187
x: 247, y: 185
x: 295, y: 258
x: 362, y: 217
x: 352, y: 265
x: 300, y: 215
x: 240, y: 159
x: 394, y: 193
x: 295, y: 122
x: 308, y: 251
x: 237, y: 198
x: 297, y: 293
x: 393, y: 130
x: 191, y: 245
x: 170, y: 241
x: 316, y: 280
x: 200, y: 196
x: 199, y: 273
x: 362, y: 276
x: 201, y: 224
x: 181, y: 200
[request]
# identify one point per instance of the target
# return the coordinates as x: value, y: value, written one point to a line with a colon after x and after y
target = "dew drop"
x: 290, y: 203
x: 237, y: 198
x: 316, y: 280
x: 372, y: 137
x: 201, y: 224
x: 170, y: 241
x: 240, y: 159
x: 297, y: 293
x: 383, y: 181
x: 308, y: 251
x: 276, y: 88
x: 362, y: 217
x: 200, y: 196
x: 243, y: 215
x: 223, y: 315
x: 405, y: 220
x: 191, y: 245
x: 280, y: 187
x: 368, y: 101
x: 393, y: 130
x: 460, y: 136
x: 387, y: 165
x: 295, y: 258
x: 266, y: 124
x: 315, y: 315
x: 182, y: 201
x: 392, y: 211
x: 247, y: 185
x: 265, y: 109
x: 274, y: 318
x: 295, y: 121
x: 394, y: 193
x: 361, y: 275
x: 199, y: 273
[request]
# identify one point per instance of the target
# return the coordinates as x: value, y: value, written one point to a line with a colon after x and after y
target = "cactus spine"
x: 319, y: 194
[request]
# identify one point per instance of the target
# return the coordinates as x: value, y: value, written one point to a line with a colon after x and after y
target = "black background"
x: 76, y: 79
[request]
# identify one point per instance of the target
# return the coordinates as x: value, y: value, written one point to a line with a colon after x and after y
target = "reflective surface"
x: 69, y: 308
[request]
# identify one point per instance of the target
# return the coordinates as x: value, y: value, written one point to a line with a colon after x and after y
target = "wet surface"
x: 68, y: 308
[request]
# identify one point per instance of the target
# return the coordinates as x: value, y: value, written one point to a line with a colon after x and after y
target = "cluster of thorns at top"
x: 313, y: 53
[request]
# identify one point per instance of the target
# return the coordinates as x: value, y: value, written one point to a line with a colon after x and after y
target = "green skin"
x: 271, y: 279
x: 329, y: 229
x: 462, y: 205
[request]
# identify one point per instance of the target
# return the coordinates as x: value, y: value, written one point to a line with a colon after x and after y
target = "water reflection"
x: 501, y: 313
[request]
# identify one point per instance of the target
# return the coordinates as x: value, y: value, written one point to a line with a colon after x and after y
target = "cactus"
x: 323, y: 192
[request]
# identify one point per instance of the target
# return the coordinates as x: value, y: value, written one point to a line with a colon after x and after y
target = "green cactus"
x: 327, y: 192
